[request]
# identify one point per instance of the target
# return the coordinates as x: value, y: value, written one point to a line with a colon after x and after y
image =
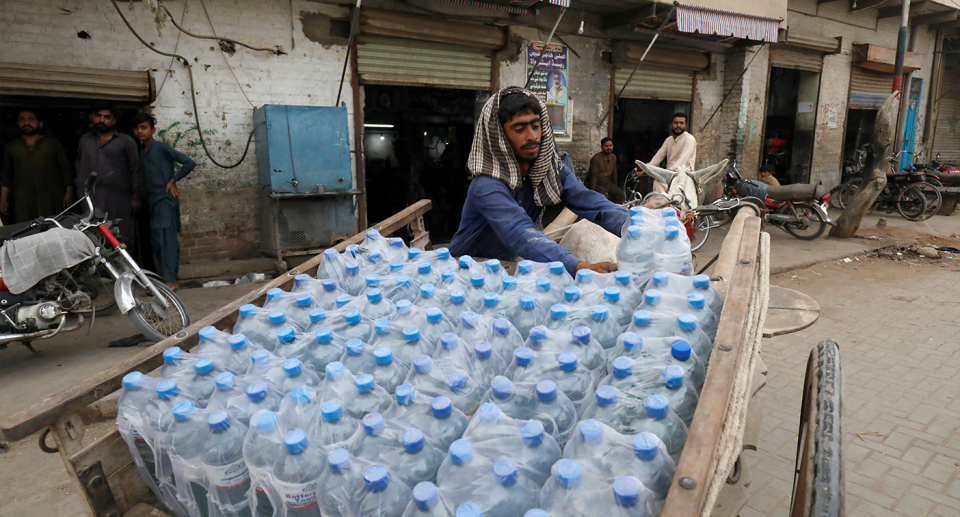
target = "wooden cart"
x: 710, y: 480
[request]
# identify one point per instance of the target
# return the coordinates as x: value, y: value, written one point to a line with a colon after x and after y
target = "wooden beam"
x: 629, y: 18
x: 927, y: 19
x: 894, y: 12
x: 868, y: 4
x: 825, y: 1
x: 943, y: 25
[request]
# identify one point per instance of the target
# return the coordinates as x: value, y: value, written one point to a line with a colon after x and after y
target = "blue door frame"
x: 910, y: 124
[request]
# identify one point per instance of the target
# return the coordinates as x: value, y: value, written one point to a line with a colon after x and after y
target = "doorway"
x: 640, y: 126
x: 790, y: 123
x: 415, y: 145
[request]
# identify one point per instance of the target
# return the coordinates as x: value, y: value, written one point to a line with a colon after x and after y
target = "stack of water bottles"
x: 402, y: 382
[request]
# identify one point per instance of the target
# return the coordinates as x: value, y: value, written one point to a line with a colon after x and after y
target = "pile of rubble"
x: 916, y: 251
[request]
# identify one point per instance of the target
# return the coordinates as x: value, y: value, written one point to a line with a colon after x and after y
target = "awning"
x: 710, y: 20
x: 506, y: 6
x: 68, y: 82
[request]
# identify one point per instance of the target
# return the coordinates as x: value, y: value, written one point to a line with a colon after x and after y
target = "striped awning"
x: 709, y: 20
x: 506, y: 6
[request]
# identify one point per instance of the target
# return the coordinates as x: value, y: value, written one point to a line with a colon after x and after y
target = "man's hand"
x: 172, y: 189
x: 599, y: 267
x: 135, y: 206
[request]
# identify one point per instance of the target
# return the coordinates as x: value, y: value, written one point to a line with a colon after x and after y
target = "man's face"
x: 103, y: 121
x: 607, y: 147
x: 144, y: 132
x: 29, y: 124
x: 557, y: 80
x: 523, y: 133
x: 764, y: 174
x: 678, y: 126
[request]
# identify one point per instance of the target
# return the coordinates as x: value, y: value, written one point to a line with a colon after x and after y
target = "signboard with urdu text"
x: 550, y: 81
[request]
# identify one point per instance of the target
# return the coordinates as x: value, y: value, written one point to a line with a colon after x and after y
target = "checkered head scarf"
x: 491, y: 153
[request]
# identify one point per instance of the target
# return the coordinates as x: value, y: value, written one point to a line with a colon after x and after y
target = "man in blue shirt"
x: 159, y: 184
x: 516, y: 173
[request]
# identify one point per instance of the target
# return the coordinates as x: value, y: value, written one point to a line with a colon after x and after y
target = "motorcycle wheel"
x: 701, y: 232
x: 149, y: 316
x: 911, y: 203
x: 101, y: 293
x: 811, y: 225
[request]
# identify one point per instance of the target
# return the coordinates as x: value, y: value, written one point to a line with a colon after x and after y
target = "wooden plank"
x: 699, y: 457
x: 110, y: 450
x: 145, y: 510
x: 730, y: 249
x: 128, y: 487
x: 47, y: 411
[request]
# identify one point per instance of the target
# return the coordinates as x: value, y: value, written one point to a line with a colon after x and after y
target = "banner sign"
x: 549, y: 82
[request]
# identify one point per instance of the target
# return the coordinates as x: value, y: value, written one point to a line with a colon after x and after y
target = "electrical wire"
x: 278, y: 51
x: 176, y: 45
x: 204, y: 5
x: 193, y: 95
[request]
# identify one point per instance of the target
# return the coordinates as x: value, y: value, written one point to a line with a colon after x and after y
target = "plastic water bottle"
x: 493, y: 308
x: 353, y: 282
x: 477, y: 288
x: 222, y: 459
x: 528, y: 313
x: 590, y: 291
x: 407, y: 314
x: 352, y: 325
x: 620, y: 312
x: 493, y: 275
x: 502, y: 491
x: 341, y: 480
x: 430, y: 379
x: 688, y: 328
x: 579, y: 341
x: 297, y: 475
x: 436, y: 417
x: 203, y: 381
x: 680, y: 355
x: 539, y: 401
x: 630, y: 294
x: 442, y: 260
x: 375, y: 262
x: 300, y: 409
x: 645, y: 324
x: 336, y: 429
x: 426, y: 274
x: 547, y: 292
x: 454, y: 305
x: 397, y: 249
x: 387, y: 372
x: 406, y: 452
x: 561, y: 318
x: 525, y: 275
x: 332, y: 266
x: 663, y: 422
x: 556, y: 273
x: 616, y: 409
x: 183, y: 446
x: 343, y: 300
x: 265, y: 335
x: 681, y: 396
x: 414, y: 344
x: 556, y: 406
x: 479, y: 359
x: 673, y: 255
x: 323, y: 349
x: 358, y: 357
x: 663, y: 306
x: 376, y: 306
x: 504, y: 337
x: 574, y: 492
x: 237, y: 359
x: 413, y: 256
x: 256, y: 396
x: 383, y: 495
x: 368, y: 397
x: 389, y: 336
x: 635, y: 253
x: 403, y: 289
x: 573, y: 379
x: 374, y: 242
x: 290, y: 342
x: 571, y: 296
x: 261, y: 448
x: 177, y: 365
x: 706, y: 319
x: 603, y: 326
x: 295, y: 375
x: 427, y: 502
x: 434, y: 324
x: 214, y: 343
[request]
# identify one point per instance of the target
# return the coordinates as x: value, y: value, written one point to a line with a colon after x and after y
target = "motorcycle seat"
x: 797, y: 192
x: 6, y: 232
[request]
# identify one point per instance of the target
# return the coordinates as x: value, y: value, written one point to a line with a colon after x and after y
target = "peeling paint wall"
x: 708, y: 92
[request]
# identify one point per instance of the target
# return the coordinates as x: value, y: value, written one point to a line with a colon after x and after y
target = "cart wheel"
x: 818, y: 483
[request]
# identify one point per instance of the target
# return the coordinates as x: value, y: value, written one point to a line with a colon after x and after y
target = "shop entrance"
x: 415, y: 146
x: 640, y: 126
x: 790, y: 123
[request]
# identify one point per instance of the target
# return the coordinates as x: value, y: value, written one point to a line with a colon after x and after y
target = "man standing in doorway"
x: 602, y: 176
x: 115, y: 158
x: 680, y: 150
x: 36, y: 170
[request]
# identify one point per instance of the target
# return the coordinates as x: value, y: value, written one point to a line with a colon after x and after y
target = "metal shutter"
x: 665, y: 84
x: 796, y: 59
x: 422, y: 63
x: 77, y: 83
x: 946, y: 137
x: 868, y: 88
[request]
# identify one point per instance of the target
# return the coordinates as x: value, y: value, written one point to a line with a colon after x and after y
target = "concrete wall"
x: 220, y: 207
x: 707, y: 94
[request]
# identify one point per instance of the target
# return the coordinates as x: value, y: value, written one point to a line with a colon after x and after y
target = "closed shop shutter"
x: 422, y: 63
x: 946, y: 138
x: 796, y: 58
x: 18, y: 79
x: 665, y: 84
x: 868, y: 88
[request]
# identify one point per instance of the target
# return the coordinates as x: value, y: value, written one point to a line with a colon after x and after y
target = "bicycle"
x: 906, y: 192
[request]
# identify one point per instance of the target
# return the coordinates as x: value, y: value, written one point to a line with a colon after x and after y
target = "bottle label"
x: 228, y: 476
x: 136, y: 435
x: 297, y: 495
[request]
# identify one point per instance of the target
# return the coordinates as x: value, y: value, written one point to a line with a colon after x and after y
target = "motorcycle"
x: 52, y: 268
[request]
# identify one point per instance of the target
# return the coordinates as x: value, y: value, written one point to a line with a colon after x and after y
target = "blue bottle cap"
x: 476, y: 280
x: 536, y: 512
x: 505, y: 470
x: 696, y: 300
x: 701, y: 281
x: 634, y: 232
x: 646, y: 445
x: 203, y: 366
x: 671, y: 232
x: 656, y: 406
x: 411, y: 333
x: 395, y: 265
x: 637, y: 220
x: 133, y: 381
x: 330, y: 254
x: 501, y: 327
x: 532, y: 433
x: 523, y: 355
x: 295, y: 441
x: 492, y: 265
x: 424, y: 267
x: 412, y: 439
x: 671, y: 221
x: 622, y: 277
x: 208, y: 333
x: 225, y: 381
x: 558, y: 311
x: 447, y: 275
x: 469, y: 319
x: 581, y: 335
x: 183, y: 410
x: 334, y: 370
x: 626, y: 491
x: 443, y: 253
x: 642, y: 318
x: 622, y: 367
x: 461, y: 452
x: 434, y: 315
x: 468, y: 509
x: 172, y: 355
x: 354, y: 346
x: 166, y: 389
x: 267, y: 421
x: 404, y: 306
x: 323, y: 335
x: 680, y: 349
x: 256, y: 391
x: 372, y: 280
x: 571, y: 293
x: 302, y: 395
x: 374, y: 295
x: 317, y: 315
x: 591, y: 431
x: 525, y: 266
x: 606, y: 395
x: 509, y: 282
x: 413, y: 253
x: 260, y: 356
x: 405, y: 394
x: 557, y: 268
x: 687, y: 321
x: 331, y: 410
x: 441, y: 407
x: 342, y: 300
x: 219, y: 421
x: 488, y: 414
x: 599, y: 313
x: 286, y: 334
x: 304, y: 300
x: 528, y: 301
x: 543, y: 284
x: 427, y: 290
x: 667, y: 212
x: 328, y: 284
x: 373, y: 235
x: 364, y: 382
x: 276, y: 292
x: 456, y: 381
x: 425, y: 496
x: 422, y: 363
x: 403, y: 281
x: 611, y: 293
x: 546, y: 390
x: 661, y: 278
x: 538, y: 334
x: 352, y: 316
x: 449, y: 340
x: 376, y: 477
x: 278, y: 317
x: 465, y: 261
x: 457, y: 296
x: 652, y: 297
x: 491, y: 299
x: 383, y: 355
x: 569, y: 473
x: 339, y: 461
x: 237, y: 341
x: 482, y: 349
x: 382, y: 326
x: 673, y: 376
x: 248, y: 310
x: 373, y: 423
x: 353, y: 250
x: 396, y: 242
x: 501, y: 387
x: 632, y: 342
x: 584, y: 275
x: 567, y: 361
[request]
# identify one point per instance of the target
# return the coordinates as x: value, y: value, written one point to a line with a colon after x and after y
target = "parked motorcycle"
x: 53, y: 268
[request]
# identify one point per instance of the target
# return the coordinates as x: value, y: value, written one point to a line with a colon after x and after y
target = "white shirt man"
x: 680, y: 150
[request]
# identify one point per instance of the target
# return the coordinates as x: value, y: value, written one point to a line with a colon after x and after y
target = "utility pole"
x: 901, y: 47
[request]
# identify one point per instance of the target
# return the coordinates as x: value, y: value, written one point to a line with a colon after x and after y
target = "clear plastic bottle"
x: 525, y: 275
x: 680, y: 355
x: 630, y: 294
x: 602, y: 326
x: 493, y: 275
x: 203, y: 381
x: 493, y: 308
x: 590, y: 290
x: 290, y: 342
x: 479, y: 359
x: 183, y: 443
x: 426, y: 274
x: 443, y: 261
x: 663, y: 422
x: 561, y: 319
x: 323, y: 349
x: 688, y: 328
x: 557, y: 406
x: 504, y: 338
x: 383, y: 495
x: 427, y: 502
x: 616, y: 409
x: 336, y: 429
x: 673, y: 255
x: 397, y: 249
x: 256, y: 396
x: 431, y: 379
x: 706, y: 319
x: 213, y: 343
x: 343, y: 300
x: 352, y: 325
x: 297, y: 474
x: 574, y: 380
x: 477, y: 288
x: 177, y: 365
x: 571, y: 296
x: 414, y: 344
x: 369, y: 397
x: 455, y: 305
x: 436, y: 417
x: 332, y: 266
x: 403, y: 289
x: 547, y: 292
x: 376, y: 307
x: 295, y: 375
x: 227, y: 475
x: 406, y: 452
x: 528, y: 314
x: 413, y: 256
x: 342, y: 479
x: 261, y: 448
x: 358, y: 357
x: 237, y: 360
x: 300, y: 409
x: 620, y: 312
x: 557, y: 274
x: 353, y: 282
x: 635, y: 253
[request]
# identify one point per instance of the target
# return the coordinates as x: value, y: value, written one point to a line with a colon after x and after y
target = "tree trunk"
x: 884, y: 135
